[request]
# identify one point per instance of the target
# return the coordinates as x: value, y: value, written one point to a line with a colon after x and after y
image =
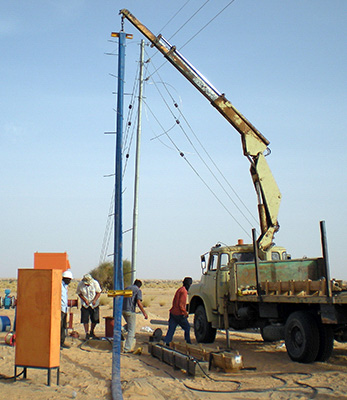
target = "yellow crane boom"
x: 253, y: 142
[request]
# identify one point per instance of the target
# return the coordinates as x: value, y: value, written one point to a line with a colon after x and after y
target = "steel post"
x: 118, y: 237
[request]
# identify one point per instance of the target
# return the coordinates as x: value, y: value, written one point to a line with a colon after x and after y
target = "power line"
x: 208, y: 155
x: 203, y: 181
x: 196, y: 172
x: 174, y: 15
x: 189, y: 19
x: 208, y: 23
x: 192, y: 37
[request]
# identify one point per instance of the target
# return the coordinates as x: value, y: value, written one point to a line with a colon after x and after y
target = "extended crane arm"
x: 253, y: 142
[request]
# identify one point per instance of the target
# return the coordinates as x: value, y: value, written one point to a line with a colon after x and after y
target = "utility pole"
x: 137, y: 168
x: 118, y: 283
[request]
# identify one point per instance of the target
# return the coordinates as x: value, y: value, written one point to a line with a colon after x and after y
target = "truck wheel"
x: 204, y: 333
x: 272, y: 333
x: 326, y: 342
x: 302, y: 337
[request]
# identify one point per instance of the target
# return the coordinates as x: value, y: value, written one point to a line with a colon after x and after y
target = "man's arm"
x: 138, y: 302
x: 182, y: 303
x: 96, y: 298
x: 83, y: 298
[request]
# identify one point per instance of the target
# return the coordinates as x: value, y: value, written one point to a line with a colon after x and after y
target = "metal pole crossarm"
x: 127, y: 35
x: 115, y: 293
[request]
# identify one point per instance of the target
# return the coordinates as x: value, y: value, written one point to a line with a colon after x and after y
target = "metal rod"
x: 226, y: 321
x: 256, y: 262
x: 137, y: 168
x: 325, y: 258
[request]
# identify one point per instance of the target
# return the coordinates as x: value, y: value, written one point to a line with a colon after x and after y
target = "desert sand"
x: 85, y: 368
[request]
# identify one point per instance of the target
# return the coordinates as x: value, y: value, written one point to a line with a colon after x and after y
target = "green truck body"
x: 292, y: 300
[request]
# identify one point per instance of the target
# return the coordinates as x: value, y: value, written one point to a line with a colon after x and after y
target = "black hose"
x: 11, y: 377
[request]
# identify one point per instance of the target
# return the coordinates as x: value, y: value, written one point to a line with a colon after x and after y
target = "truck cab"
x: 218, y: 274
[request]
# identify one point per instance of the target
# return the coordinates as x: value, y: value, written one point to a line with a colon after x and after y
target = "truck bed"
x: 299, y: 281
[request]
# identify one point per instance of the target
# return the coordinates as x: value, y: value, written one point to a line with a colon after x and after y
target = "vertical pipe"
x: 256, y: 262
x: 325, y: 258
x: 137, y: 168
x: 118, y: 239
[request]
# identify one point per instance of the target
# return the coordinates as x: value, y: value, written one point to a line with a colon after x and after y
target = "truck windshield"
x: 243, y: 256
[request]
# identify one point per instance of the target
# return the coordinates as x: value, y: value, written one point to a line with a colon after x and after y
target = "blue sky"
x: 282, y: 64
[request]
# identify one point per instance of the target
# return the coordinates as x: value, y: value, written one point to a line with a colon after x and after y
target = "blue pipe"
x: 118, y: 283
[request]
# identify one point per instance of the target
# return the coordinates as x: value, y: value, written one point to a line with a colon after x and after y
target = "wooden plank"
x: 229, y: 361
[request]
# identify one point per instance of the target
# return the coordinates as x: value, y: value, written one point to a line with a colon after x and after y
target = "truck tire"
x: 302, y: 337
x: 204, y: 333
x: 272, y: 333
x: 326, y: 342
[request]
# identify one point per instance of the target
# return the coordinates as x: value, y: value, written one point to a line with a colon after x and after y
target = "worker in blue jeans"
x: 178, y: 312
x: 129, y: 314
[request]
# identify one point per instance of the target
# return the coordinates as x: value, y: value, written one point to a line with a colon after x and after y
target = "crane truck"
x: 258, y: 285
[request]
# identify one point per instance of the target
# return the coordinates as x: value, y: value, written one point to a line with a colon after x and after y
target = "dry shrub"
x: 162, y: 284
x: 105, y: 300
x: 162, y: 303
x: 146, y: 302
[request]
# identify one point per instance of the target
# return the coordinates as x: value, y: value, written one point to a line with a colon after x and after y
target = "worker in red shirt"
x: 178, y: 312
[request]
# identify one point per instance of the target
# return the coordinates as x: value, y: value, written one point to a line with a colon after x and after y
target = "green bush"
x: 104, y: 274
x: 127, y: 273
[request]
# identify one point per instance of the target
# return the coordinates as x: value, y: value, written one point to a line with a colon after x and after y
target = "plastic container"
x: 109, y: 326
x: 5, y: 324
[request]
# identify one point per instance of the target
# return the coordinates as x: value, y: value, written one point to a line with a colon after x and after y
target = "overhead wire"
x: 126, y: 147
x: 181, y: 153
x: 177, y: 12
x: 189, y: 19
x: 165, y: 132
x: 199, y: 31
x: 108, y: 231
x: 208, y: 23
x: 130, y: 126
x: 167, y: 23
x: 208, y: 155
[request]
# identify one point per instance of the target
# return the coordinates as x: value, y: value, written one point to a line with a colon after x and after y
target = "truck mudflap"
x: 333, y: 314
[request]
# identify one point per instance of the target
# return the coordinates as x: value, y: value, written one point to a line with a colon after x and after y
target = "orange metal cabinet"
x: 51, y: 261
x: 38, y: 318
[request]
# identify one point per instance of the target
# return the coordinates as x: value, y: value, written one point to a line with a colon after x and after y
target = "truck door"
x: 222, y: 280
x: 210, y: 280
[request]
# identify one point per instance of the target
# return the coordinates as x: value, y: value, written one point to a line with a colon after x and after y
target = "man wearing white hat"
x: 89, y: 292
x: 66, y: 279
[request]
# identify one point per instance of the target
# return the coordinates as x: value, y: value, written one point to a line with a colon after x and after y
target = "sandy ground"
x: 85, y: 369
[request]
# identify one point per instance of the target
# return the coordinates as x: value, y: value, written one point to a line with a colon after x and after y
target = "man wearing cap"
x: 66, y: 279
x: 178, y: 312
x: 89, y: 292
